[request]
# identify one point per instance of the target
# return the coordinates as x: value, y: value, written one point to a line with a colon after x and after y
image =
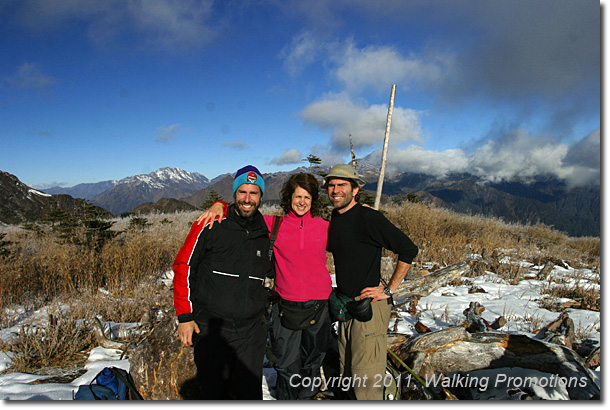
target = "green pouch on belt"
x: 337, y: 305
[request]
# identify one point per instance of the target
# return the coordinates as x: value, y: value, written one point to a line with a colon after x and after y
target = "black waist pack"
x: 297, y: 317
x: 361, y: 310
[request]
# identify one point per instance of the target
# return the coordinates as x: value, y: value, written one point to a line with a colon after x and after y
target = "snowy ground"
x: 442, y: 309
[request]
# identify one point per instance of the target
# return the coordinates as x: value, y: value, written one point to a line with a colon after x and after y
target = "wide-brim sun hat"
x: 344, y: 171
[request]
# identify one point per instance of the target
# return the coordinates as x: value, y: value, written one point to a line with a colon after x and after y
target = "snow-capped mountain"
x: 166, y: 182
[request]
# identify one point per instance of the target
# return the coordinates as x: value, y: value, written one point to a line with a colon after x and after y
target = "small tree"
x: 413, y: 197
x: 366, y: 198
x: 55, y: 216
x: 210, y: 199
x: 138, y: 224
x: 4, y: 252
x: 314, y: 162
x: 97, y: 230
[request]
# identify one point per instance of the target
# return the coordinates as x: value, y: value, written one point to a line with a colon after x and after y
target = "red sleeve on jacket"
x: 182, y: 274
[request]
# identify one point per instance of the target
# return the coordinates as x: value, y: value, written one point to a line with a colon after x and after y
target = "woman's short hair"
x: 306, y: 181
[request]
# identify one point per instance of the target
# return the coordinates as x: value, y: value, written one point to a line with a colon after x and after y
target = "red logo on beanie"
x: 251, y: 179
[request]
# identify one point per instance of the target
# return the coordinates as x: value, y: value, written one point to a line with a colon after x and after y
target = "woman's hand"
x: 209, y: 216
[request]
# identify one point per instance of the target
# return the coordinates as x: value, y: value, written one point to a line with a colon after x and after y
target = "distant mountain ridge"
x: 85, y: 191
x: 543, y: 199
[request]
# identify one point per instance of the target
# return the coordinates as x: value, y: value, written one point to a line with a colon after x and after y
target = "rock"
x: 421, y: 328
x: 594, y: 360
x: 476, y: 289
x: 474, y: 322
x: 585, y: 347
x: 161, y: 367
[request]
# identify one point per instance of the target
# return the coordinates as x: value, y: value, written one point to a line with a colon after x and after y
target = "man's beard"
x: 347, y: 200
x: 246, y: 214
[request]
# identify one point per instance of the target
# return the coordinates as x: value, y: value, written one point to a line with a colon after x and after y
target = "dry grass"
x: 41, y: 269
x: 447, y: 237
x: 61, y: 342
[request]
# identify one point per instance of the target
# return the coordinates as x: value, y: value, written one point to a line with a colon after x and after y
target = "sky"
x: 96, y: 91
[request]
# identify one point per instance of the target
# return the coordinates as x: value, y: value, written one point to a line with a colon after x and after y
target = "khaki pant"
x: 363, y: 352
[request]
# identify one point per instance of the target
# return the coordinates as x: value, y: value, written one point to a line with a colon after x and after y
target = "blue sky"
x: 99, y: 90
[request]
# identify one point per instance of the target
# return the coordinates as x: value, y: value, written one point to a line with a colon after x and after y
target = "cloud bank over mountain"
x: 513, y: 154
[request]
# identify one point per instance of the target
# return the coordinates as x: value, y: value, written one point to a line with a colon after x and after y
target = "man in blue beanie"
x: 219, y: 294
x: 245, y: 192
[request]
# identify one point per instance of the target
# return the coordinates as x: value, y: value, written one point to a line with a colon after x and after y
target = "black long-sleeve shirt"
x: 356, y: 239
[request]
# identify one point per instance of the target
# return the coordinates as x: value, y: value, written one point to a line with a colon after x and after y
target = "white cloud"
x: 290, y: 156
x: 584, y: 160
x: 48, y: 185
x: 238, y: 145
x: 514, y: 154
x: 586, y: 152
x: 30, y: 76
x: 165, y: 134
x: 301, y: 52
x: 380, y: 67
x: 366, y: 124
x: 170, y: 24
x: 159, y: 25
x: 416, y: 159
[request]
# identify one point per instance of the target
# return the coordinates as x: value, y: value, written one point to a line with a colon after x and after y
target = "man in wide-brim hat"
x: 356, y: 237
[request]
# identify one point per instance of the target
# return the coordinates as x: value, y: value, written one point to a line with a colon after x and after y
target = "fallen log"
x: 425, y: 285
x: 102, y: 340
x: 456, y: 350
x: 559, y: 331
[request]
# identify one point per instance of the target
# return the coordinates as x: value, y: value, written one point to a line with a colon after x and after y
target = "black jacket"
x: 220, y: 273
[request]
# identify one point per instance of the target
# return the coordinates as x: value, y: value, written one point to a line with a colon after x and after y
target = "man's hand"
x: 209, y: 216
x: 185, y: 331
x: 376, y: 293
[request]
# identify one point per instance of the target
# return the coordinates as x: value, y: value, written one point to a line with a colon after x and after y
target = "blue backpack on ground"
x: 112, y: 383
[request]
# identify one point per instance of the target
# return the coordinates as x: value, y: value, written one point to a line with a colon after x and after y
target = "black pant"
x: 299, y: 355
x: 230, y: 362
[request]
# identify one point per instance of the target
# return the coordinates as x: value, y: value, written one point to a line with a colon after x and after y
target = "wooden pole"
x: 351, y: 146
x: 384, y: 153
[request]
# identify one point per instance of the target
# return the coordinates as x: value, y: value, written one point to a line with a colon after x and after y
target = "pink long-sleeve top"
x: 300, y: 257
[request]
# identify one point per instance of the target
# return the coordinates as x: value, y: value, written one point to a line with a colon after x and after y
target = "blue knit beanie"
x: 249, y: 175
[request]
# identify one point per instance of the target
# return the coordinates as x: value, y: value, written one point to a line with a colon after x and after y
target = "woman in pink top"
x: 302, y: 282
